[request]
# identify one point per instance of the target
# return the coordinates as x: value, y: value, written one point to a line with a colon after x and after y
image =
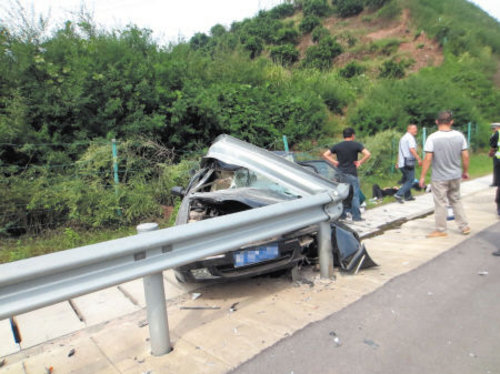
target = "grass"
x: 13, y: 249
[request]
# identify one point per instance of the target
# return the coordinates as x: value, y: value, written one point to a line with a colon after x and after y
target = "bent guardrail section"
x: 36, y: 282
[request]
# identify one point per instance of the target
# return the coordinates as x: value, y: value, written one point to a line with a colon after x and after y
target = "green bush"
x: 393, y: 69
x: 282, y: 11
x: 262, y: 26
x: 199, y: 40
x: 318, y: 8
x: 287, y: 35
x: 383, y: 147
x: 284, y: 55
x: 308, y: 24
x: 320, y: 56
x: 349, y: 8
x: 255, y: 45
x: 352, y: 69
x: 319, y: 32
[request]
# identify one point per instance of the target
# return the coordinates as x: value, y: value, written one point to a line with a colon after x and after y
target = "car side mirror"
x: 178, y: 191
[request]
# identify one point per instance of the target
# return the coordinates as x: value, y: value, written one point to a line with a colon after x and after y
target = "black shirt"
x: 494, y: 140
x: 347, y: 152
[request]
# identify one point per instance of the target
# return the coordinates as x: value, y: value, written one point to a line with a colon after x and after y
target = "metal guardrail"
x: 36, y: 282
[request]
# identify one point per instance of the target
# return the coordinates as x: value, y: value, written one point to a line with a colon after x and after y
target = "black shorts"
x: 496, y: 172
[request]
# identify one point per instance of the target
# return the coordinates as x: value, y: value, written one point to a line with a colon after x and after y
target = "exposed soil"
x: 420, y: 49
x: 424, y: 51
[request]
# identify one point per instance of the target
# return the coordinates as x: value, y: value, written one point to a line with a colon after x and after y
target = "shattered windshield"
x: 242, y: 177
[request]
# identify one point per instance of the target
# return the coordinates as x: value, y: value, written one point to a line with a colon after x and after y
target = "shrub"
x: 254, y: 45
x: 199, y: 40
x: 308, y: 24
x: 217, y: 31
x: 319, y: 33
x: 393, y: 69
x: 347, y: 38
x: 287, y: 35
x: 383, y: 147
x: 282, y: 11
x: 320, y: 56
x: 348, y: 8
x: 352, y: 69
x: 285, y: 54
x: 318, y: 8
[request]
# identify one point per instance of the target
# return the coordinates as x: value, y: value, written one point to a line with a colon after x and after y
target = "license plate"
x: 256, y: 255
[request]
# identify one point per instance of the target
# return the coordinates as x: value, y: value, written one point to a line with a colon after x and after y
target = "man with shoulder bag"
x: 407, y: 159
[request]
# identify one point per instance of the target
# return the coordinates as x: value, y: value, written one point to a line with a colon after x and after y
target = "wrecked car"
x: 236, y: 176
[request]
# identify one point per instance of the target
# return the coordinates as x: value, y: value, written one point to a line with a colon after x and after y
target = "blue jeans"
x: 408, y: 179
x: 354, y: 182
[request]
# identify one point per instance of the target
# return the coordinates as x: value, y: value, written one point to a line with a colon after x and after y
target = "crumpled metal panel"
x: 286, y: 173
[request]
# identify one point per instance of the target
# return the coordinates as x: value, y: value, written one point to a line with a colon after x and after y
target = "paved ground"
x: 439, y: 318
x: 106, y: 332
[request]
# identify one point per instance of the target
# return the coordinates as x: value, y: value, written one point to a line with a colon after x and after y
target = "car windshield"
x: 242, y: 177
x: 323, y: 168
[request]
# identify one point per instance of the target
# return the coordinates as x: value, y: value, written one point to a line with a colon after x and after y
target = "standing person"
x: 495, y: 153
x: 347, y: 162
x: 407, y: 158
x: 444, y: 149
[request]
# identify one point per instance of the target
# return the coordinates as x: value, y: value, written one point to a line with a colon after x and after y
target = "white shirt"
x: 407, y: 141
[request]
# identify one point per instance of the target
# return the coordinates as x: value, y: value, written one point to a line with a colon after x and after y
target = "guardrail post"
x: 325, y: 250
x: 154, y: 292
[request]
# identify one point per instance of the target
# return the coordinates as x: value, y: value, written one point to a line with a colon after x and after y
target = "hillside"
x: 419, y: 48
x: 304, y: 69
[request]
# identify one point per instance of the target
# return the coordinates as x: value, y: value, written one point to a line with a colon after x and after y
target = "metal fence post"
x: 154, y: 292
x: 114, y: 150
x: 325, y: 250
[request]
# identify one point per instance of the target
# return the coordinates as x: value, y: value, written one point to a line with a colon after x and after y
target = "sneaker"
x: 437, y: 234
x: 497, y: 253
x: 466, y: 230
x: 411, y: 198
x: 399, y: 199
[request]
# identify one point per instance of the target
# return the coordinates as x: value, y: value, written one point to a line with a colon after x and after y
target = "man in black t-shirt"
x: 347, y: 162
x: 495, y: 153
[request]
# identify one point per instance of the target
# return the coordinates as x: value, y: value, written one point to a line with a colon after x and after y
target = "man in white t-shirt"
x: 445, y: 149
x: 407, y: 159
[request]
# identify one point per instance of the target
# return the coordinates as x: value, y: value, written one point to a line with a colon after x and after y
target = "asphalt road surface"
x: 443, y: 317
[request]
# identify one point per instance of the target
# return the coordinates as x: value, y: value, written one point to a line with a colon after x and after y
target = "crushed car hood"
x: 286, y: 173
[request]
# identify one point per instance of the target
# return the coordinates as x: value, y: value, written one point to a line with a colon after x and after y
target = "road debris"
x: 482, y: 273
x: 71, y: 352
x: 199, y: 307
x: 233, y: 307
x: 302, y: 281
x: 49, y: 370
x: 142, y: 323
x: 195, y: 295
x: 3, y: 362
x: 336, y: 339
x: 371, y: 343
